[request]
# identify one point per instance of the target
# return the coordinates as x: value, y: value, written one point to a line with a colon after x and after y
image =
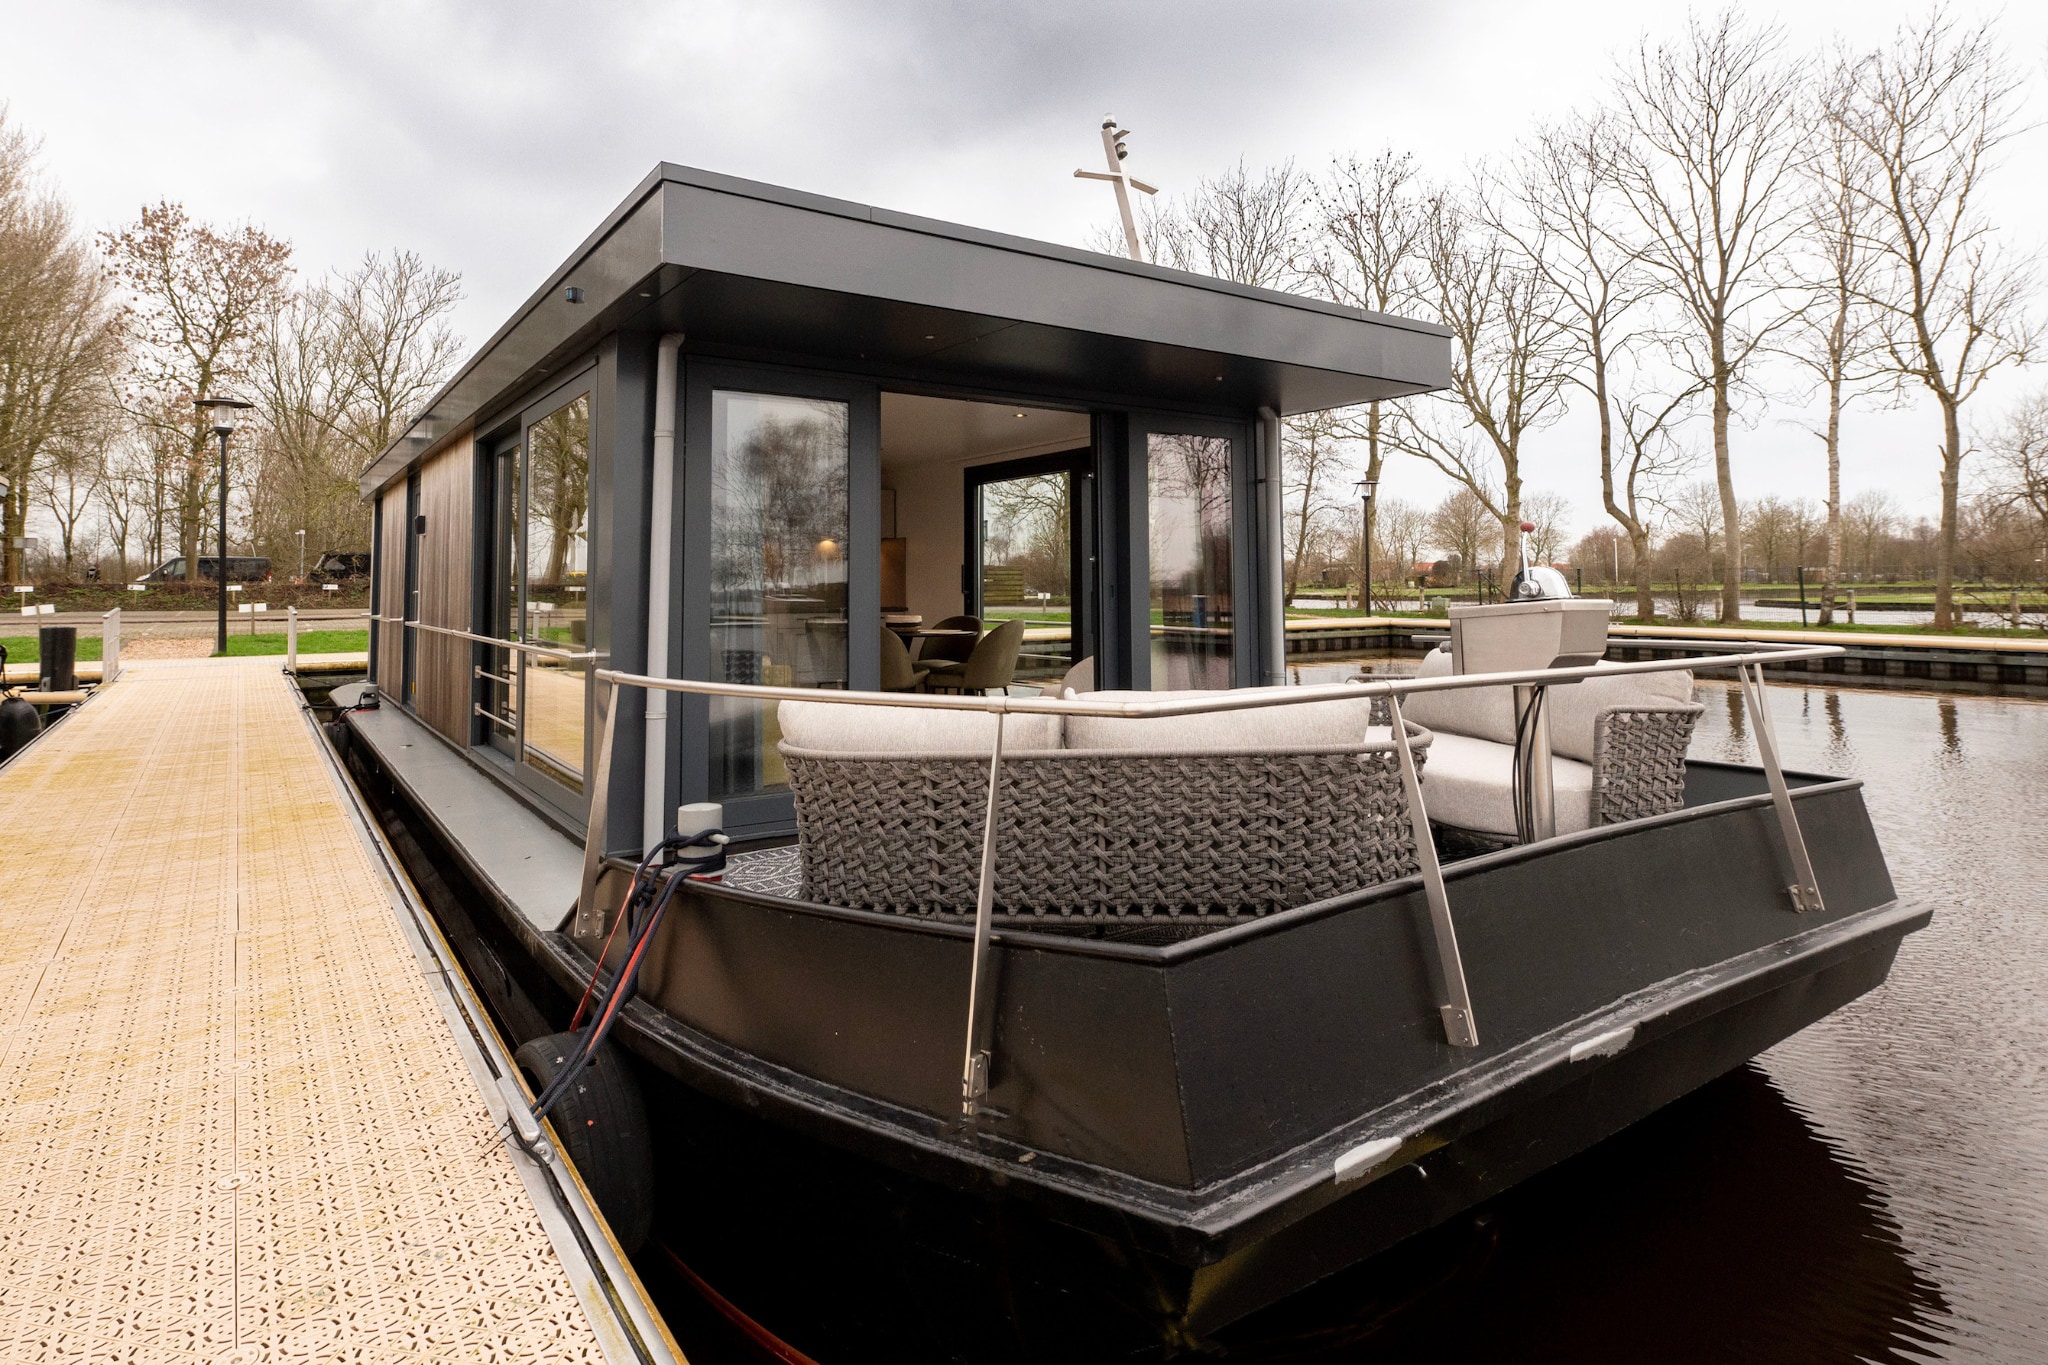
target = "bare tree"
x: 1461, y: 525
x: 1561, y: 205
x: 1550, y: 513
x: 1511, y: 359
x: 1868, y: 519
x: 67, y: 484
x: 1652, y: 459
x: 1708, y: 167
x: 1314, y: 466
x: 1239, y: 225
x: 1402, y: 529
x: 1931, y: 112
x: 2018, y: 476
x: 199, y: 301
x: 58, y: 338
x: 1835, y: 339
x: 394, y: 346
x: 1369, y: 221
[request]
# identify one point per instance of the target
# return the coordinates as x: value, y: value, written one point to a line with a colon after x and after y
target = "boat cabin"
x: 749, y: 434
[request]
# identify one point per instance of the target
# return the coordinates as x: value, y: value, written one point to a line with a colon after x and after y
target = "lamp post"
x: 302, y: 556
x: 1366, y: 488
x: 222, y: 415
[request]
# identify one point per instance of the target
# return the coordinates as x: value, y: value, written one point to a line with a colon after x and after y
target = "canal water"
x: 1873, y: 1189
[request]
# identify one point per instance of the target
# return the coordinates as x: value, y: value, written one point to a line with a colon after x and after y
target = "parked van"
x: 241, y: 569
x: 339, y: 566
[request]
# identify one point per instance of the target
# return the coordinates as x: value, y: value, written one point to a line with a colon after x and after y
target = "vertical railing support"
x: 1459, y: 1025
x: 110, y: 646
x: 291, y: 640
x: 980, y: 1016
x: 1805, y: 889
x: 589, y: 919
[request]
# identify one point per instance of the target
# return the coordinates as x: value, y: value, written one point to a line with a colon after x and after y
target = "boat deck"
x: 240, y: 1120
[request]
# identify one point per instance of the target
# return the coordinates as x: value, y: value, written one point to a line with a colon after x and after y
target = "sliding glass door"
x: 536, y: 704
x: 783, y: 544
x: 1193, y: 490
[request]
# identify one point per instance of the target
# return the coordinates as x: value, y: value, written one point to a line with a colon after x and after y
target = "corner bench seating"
x: 1219, y: 816
x: 1617, y: 744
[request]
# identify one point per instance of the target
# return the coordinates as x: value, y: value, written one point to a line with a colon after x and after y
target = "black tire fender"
x: 601, y: 1122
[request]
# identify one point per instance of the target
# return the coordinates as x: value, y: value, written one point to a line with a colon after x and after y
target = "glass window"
x: 1188, y: 496
x: 778, y: 570
x: 540, y: 571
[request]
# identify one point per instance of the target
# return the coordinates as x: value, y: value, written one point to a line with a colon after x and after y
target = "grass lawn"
x: 26, y: 649
x: 310, y: 642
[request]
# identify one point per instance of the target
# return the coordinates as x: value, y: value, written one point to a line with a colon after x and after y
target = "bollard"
x: 1852, y: 606
x: 58, y: 671
x: 291, y: 639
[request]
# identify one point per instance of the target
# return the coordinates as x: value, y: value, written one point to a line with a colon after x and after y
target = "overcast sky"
x: 491, y: 137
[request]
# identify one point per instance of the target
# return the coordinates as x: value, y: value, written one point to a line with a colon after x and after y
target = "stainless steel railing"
x: 516, y: 726
x: 1455, y: 1001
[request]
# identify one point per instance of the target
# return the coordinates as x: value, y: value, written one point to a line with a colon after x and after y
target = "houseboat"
x: 942, y: 568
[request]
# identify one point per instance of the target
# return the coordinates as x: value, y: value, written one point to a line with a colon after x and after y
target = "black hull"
x: 1188, y: 1104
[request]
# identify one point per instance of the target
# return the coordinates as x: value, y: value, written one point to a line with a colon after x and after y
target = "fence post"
x: 291, y: 640
x: 110, y: 646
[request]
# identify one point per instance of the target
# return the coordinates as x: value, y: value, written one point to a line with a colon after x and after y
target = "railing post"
x: 291, y: 639
x: 589, y: 920
x: 1805, y: 889
x: 110, y: 646
x: 1459, y: 1025
x: 974, y: 1076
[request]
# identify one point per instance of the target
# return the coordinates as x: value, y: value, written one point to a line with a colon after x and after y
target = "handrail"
x: 1455, y: 1000
x: 545, y: 651
x: 1242, y: 699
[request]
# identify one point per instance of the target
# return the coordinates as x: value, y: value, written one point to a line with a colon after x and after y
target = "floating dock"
x: 248, y: 1113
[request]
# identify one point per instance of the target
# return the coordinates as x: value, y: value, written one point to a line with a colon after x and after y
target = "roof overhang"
x: 753, y: 271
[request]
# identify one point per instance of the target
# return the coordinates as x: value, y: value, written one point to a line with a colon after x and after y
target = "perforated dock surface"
x: 235, y: 1124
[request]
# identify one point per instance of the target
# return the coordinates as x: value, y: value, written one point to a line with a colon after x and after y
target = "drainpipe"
x: 660, y: 572
x: 1276, y: 548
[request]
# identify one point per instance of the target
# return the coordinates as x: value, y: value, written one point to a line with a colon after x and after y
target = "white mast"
x: 1114, y: 152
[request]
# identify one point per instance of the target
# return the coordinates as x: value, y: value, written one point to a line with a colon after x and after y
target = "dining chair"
x: 990, y: 667
x: 950, y: 649
x: 899, y: 672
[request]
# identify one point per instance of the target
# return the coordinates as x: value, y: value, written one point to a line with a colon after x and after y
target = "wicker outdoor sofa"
x: 1617, y: 743
x: 1201, y: 820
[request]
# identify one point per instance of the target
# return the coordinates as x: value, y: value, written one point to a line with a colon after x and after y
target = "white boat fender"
x: 1603, y: 1044
x: 1364, y: 1157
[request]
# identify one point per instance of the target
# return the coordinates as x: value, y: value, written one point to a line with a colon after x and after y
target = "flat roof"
x: 753, y: 271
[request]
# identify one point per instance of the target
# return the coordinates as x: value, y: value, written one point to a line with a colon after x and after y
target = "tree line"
x: 1727, y: 213
x: 107, y: 338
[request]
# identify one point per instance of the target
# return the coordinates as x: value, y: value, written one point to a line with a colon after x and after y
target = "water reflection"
x: 1725, y: 1226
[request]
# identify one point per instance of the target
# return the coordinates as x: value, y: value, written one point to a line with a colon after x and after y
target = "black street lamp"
x: 222, y: 415
x: 1366, y: 488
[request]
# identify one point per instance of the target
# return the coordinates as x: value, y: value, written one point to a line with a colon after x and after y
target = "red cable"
x: 753, y: 1331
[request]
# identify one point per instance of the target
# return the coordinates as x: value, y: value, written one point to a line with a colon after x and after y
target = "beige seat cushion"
x: 1478, y: 712
x: 1310, y: 725
x: 1574, y: 707
x: 824, y: 727
x: 1470, y: 783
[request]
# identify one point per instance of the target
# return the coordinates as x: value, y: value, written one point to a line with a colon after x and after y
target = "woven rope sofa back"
x: 1096, y: 832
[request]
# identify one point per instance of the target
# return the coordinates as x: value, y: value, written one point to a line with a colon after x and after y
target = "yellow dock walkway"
x: 236, y: 1122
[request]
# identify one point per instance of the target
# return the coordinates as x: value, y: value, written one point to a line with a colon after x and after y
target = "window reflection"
x: 541, y: 570
x: 778, y: 569
x: 1188, y: 492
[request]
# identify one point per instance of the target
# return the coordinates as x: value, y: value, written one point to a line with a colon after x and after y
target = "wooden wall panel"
x: 447, y: 556
x: 391, y: 533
